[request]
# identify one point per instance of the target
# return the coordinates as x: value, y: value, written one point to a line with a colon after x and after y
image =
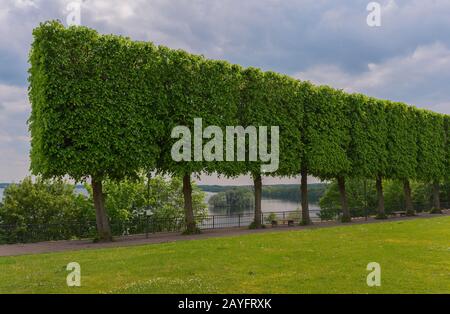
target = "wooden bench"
x: 289, y: 222
x: 399, y: 213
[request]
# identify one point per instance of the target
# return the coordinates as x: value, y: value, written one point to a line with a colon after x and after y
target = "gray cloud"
x: 406, y: 59
x: 14, y: 139
x: 419, y: 78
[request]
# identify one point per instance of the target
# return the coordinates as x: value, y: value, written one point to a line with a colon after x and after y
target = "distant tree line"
x: 287, y: 192
x: 290, y: 192
x: 235, y: 199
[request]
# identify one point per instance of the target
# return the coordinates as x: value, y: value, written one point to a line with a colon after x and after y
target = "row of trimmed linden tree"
x: 104, y: 106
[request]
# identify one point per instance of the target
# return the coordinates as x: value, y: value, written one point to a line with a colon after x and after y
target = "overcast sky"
x: 406, y: 59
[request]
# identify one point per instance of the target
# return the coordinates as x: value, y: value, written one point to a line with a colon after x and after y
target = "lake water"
x: 267, y: 206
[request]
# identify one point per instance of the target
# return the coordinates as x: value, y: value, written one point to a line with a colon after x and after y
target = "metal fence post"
x: 213, y: 222
x: 239, y: 220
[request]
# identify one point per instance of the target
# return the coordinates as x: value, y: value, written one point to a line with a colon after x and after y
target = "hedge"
x: 447, y: 165
x: 94, y: 109
x: 401, y: 141
x: 270, y: 99
x: 369, y: 132
x: 431, y: 148
x: 104, y: 106
x: 327, y: 133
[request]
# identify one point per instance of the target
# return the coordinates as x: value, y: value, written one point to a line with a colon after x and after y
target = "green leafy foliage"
x: 327, y: 133
x: 95, y: 109
x: 447, y: 146
x: 270, y: 99
x: 431, y: 146
x: 362, y: 195
x: 369, y: 130
x: 127, y: 201
x: 43, y: 210
x: 53, y: 210
x: 194, y: 87
x: 291, y: 192
x: 235, y: 199
x: 288, y: 192
x: 104, y: 106
x: 401, y: 141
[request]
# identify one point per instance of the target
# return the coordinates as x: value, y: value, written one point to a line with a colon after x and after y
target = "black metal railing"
x: 360, y: 213
x: 65, y: 230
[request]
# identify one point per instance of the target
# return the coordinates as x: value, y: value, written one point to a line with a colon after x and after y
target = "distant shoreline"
x: 282, y: 192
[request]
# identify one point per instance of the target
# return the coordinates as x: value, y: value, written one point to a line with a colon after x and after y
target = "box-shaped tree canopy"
x: 431, y: 146
x: 95, y: 103
x: 369, y: 136
x: 103, y: 105
x: 327, y: 133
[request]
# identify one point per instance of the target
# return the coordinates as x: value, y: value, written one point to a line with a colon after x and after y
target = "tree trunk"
x: 257, y: 181
x: 101, y: 217
x: 306, y: 220
x: 408, y: 198
x: 381, y: 212
x: 447, y: 205
x: 436, y: 201
x: 191, y: 228
x: 344, y: 203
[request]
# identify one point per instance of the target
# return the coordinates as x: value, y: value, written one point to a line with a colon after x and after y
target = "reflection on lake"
x: 267, y: 205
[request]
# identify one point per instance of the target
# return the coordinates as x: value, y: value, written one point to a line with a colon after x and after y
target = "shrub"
x: 44, y: 210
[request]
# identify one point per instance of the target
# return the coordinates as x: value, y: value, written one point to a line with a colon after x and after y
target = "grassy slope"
x: 414, y: 257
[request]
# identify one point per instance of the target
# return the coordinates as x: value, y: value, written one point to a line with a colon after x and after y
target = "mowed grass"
x: 414, y: 257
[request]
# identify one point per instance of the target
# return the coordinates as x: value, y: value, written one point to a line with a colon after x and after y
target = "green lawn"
x: 414, y: 257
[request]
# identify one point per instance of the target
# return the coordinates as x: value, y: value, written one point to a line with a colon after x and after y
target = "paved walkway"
x: 73, y: 245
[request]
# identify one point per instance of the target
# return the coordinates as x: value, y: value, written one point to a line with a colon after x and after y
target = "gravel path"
x: 73, y: 245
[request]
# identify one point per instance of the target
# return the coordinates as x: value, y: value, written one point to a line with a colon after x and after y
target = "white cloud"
x: 418, y: 78
x: 21, y: 4
x: 13, y: 99
x: 14, y: 138
x: 13, y: 164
